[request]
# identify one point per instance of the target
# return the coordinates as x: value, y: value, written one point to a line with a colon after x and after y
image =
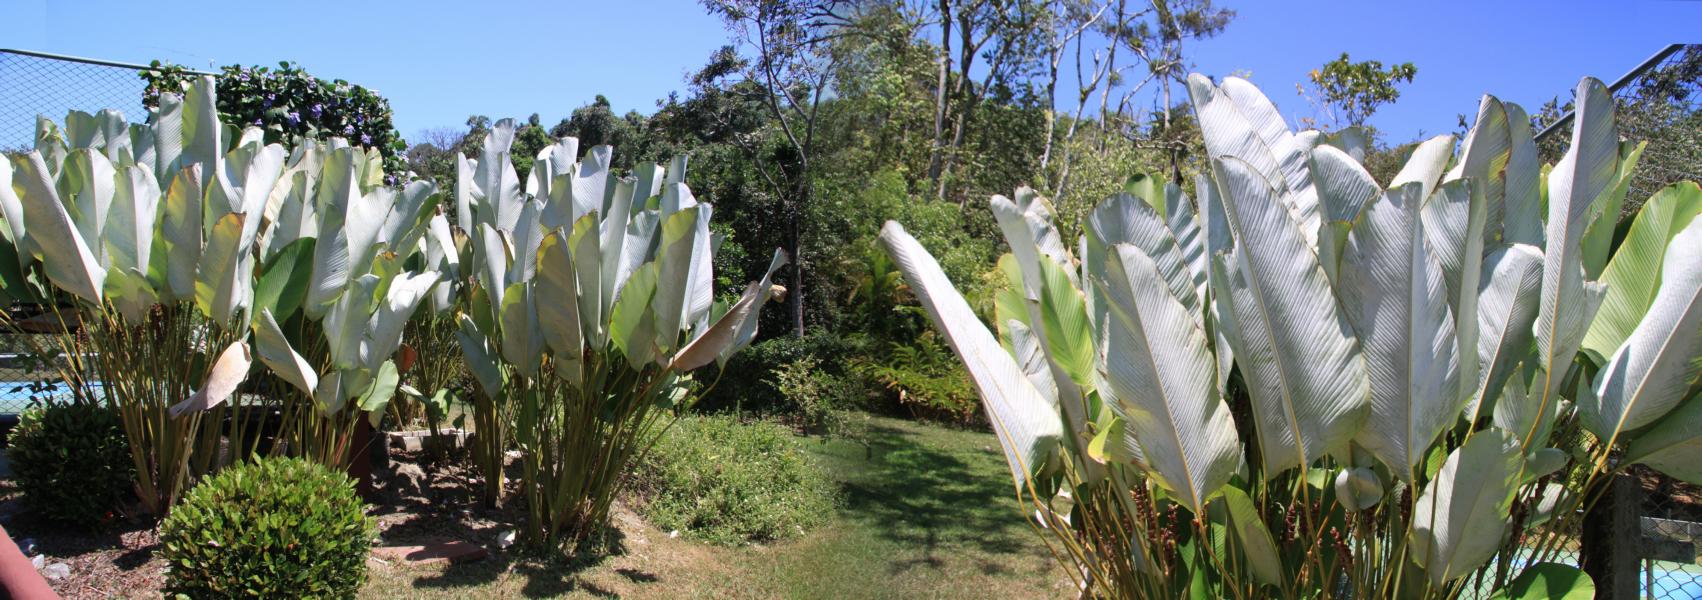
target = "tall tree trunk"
x: 944, y: 83
x: 795, y: 238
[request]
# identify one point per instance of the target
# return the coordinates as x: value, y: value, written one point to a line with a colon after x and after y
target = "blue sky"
x: 439, y: 61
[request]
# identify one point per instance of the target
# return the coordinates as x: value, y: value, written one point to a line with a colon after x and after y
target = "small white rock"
x: 57, y: 571
x: 674, y: 534
x: 505, y: 539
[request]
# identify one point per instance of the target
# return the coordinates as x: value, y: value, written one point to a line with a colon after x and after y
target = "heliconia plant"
x: 154, y: 251
x: 1308, y: 383
x: 590, y: 304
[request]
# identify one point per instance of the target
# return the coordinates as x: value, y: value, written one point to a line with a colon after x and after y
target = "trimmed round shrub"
x: 71, y: 461
x: 276, y: 528
x: 723, y: 481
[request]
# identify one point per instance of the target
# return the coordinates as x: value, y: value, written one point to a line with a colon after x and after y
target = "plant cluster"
x: 730, y: 482
x: 590, y: 302
x: 156, y: 252
x: 291, y: 106
x: 1309, y: 384
x: 279, y: 527
x: 70, y: 460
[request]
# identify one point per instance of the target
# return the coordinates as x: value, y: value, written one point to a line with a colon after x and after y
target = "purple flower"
x: 365, y: 140
x: 316, y: 110
x: 294, y: 117
x: 348, y: 130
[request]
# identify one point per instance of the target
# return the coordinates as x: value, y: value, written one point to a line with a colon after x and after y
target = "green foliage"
x: 720, y: 480
x: 288, y: 104
x: 280, y: 527
x: 70, y: 460
x: 1350, y: 92
x: 926, y: 378
x: 817, y: 400
x: 747, y: 381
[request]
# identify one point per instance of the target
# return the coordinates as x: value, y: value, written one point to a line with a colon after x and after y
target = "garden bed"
x: 927, y: 513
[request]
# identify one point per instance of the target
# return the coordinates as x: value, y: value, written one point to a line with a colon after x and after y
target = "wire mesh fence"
x: 1659, y: 103
x: 1671, y: 526
x: 35, y: 83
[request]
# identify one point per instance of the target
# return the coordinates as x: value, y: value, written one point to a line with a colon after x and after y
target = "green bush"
x: 289, y: 103
x: 71, y: 461
x: 280, y: 527
x: 818, y: 401
x: 720, y: 480
x: 748, y: 381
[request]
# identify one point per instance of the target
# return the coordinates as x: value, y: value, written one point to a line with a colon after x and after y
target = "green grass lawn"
x: 928, y: 512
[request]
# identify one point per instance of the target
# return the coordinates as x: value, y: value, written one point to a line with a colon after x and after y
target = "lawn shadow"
x: 936, y: 499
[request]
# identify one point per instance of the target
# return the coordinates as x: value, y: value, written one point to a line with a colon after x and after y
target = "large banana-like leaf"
x: 528, y: 233
x: 1027, y: 424
x: 283, y: 284
x: 593, y: 303
x: 464, y: 189
x: 1425, y: 165
x: 1344, y: 188
x: 225, y: 282
x: 590, y: 181
x: 1026, y: 222
x: 556, y: 288
x: 675, y: 259
x: 1483, y: 159
x: 1568, y: 301
x: 277, y: 354
x: 200, y: 133
x: 130, y: 228
x: 1259, y: 549
x: 632, y: 325
x: 1598, y: 237
x: 334, y: 263
x: 493, y: 255
x: 1454, y: 221
x: 1184, y: 223
x: 11, y: 208
x: 180, y: 227
x: 1506, y: 308
x: 1393, y: 289
x: 1522, y: 202
x: 384, y: 329
x: 1662, y: 357
x: 1458, y: 520
x: 1635, y: 272
x: 70, y: 262
x: 1289, y: 149
x: 736, y: 328
x: 522, y: 337
x: 1125, y: 219
x: 86, y: 181
x: 497, y: 181
x: 228, y: 372
x: 1163, y: 381
x: 1237, y: 120
x: 1297, y: 351
x: 481, y: 358
x: 345, y: 324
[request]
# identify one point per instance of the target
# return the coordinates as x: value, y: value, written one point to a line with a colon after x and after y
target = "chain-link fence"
x: 1659, y: 102
x: 36, y: 83
x: 1670, y: 519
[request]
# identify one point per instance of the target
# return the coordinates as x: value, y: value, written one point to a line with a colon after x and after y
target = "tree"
x: 1348, y: 92
x: 791, y: 73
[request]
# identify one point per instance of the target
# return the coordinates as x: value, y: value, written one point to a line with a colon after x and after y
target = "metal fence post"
x: 1610, y: 539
